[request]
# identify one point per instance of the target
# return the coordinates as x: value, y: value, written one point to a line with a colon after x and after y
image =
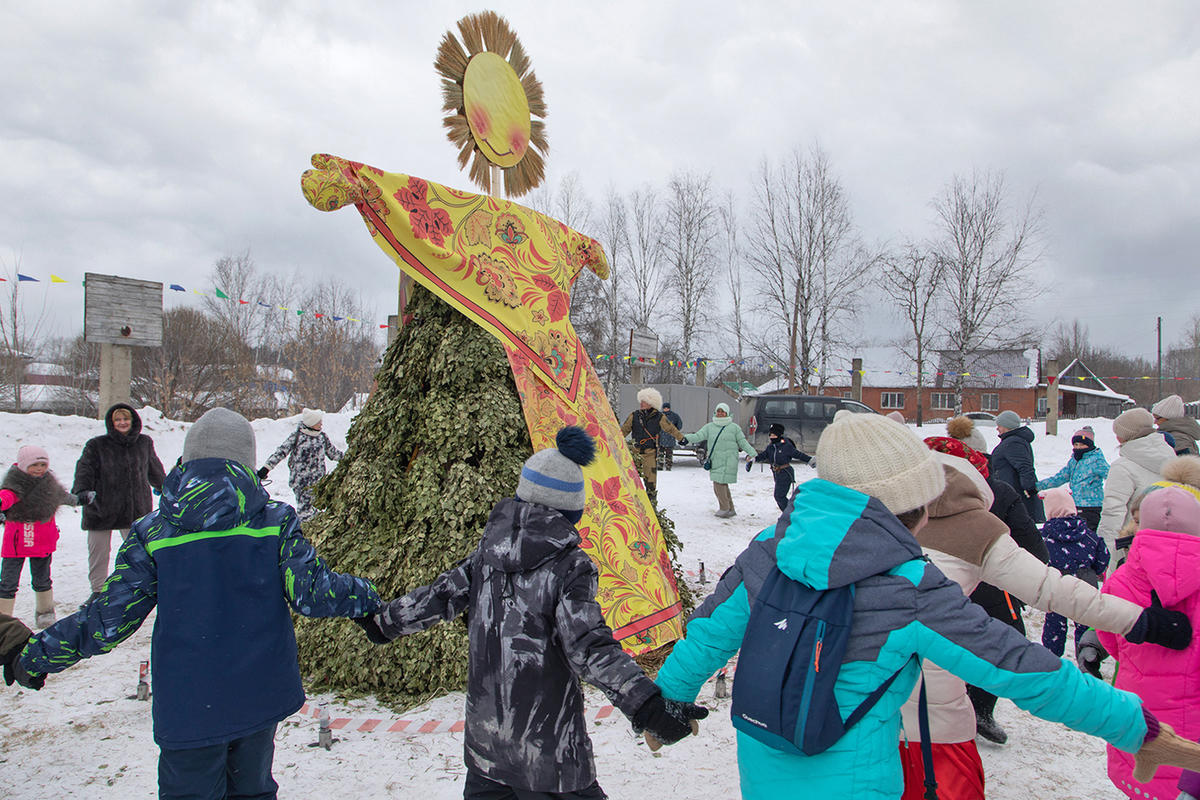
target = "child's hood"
x: 211, y: 494
x: 1169, y: 561
x: 520, y: 536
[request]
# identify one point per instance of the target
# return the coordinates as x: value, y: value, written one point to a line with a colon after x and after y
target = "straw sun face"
x: 492, y: 97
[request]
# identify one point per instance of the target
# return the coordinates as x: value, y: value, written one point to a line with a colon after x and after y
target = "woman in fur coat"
x: 29, y: 497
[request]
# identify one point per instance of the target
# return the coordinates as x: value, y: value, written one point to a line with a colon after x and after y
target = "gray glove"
x: 1089, y: 653
x: 86, y: 498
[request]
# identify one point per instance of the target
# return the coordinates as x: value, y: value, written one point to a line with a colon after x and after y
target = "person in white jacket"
x: 1142, y: 454
x: 969, y: 545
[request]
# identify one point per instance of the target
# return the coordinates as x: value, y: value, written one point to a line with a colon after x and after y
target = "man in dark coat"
x: 120, y: 467
x: 535, y: 629
x: 226, y: 567
x: 646, y: 424
x: 666, y: 442
x: 1012, y: 461
x: 780, y: 453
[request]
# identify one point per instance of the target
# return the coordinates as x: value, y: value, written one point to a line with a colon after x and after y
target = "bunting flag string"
x: 218, y: 293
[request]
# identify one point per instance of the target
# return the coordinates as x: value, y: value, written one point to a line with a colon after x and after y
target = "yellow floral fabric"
x: 510, y: 269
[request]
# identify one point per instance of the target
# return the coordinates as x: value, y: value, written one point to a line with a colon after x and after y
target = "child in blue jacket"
x: 225, y: 565
x: 1085, y: 472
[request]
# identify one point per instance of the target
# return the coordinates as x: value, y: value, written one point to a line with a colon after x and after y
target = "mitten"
x: 86, y: 498
x: 262, y: 473
x: 1089, y: 653
x: 749, y: 464
x: 372, y: 629
x: 1161, y: 626
x: 1163, y: 746
x: 15, y: 672
x: 683, y: 441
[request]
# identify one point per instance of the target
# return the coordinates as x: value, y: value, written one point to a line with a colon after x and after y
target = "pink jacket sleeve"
x: 1127, y: 583
x: 7, y: 499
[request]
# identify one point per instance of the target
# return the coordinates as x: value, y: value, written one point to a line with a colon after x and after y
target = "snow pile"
x: 83, y: 736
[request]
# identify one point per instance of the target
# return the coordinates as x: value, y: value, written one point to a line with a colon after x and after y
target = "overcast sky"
x: 149, y: 139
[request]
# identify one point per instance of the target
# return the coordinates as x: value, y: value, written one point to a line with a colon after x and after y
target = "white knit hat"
x: 1170, y: 407
x: 311, y: 417
x: 879, y: 457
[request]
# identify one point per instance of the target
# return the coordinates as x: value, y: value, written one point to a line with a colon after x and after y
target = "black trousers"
x: 1091, y: 517
x: 480, y: 788
x: 236, y: 770
x: 784, y: 479
x: 10, y: 575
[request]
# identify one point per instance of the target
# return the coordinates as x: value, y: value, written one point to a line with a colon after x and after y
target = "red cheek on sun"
x: 518, y: 142
x: 481, y: 123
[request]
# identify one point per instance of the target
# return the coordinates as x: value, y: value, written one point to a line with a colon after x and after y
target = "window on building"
x: 989, y: 402
x: 848, y: 395
x: 942, y: 401
x: 1042, y: 406
x: 892, y: 400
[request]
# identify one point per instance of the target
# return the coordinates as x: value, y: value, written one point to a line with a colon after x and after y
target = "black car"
x: 803, y: 416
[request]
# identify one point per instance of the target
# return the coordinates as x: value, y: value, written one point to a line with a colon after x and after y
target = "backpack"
x: 791, y: 654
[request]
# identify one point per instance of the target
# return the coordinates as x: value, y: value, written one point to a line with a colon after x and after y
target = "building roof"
x: 1076, y: 377
x: 996, y: 369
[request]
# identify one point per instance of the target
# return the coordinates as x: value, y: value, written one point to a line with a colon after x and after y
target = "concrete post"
x: 1052, y: 397
x: 635, y: 372
x: 701, y: 377
x: 116, y: 373
x: 856, y: 379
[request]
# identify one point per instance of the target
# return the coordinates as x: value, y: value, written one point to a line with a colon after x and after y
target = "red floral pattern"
x: 427, y: 223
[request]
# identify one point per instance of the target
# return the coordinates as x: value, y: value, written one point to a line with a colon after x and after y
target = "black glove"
x: 262, y: 473
x: 683, y: 441
x: 372, y: 629
x: 14, y: 672
x: 749, y: 464
x: 1161, y: 626
x: 86, y: 498
x: 669, y: 721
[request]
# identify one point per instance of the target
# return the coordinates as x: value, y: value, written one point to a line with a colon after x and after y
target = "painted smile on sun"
x: 492, y: 96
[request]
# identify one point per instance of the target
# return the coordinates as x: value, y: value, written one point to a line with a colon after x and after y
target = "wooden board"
x: 122, y: 311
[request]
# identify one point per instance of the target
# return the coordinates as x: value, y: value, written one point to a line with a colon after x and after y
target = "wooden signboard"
x: 122, y: 311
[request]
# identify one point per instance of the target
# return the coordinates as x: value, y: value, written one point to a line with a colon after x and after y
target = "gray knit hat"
x: 220, y: 433
x: 1133, y: 424
x: 553, y: 477
x: 1170, y: 407
x: 881, y: 458
x: 1008, y: 419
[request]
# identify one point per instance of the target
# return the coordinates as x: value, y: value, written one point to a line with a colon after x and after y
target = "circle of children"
x: 864, y: 669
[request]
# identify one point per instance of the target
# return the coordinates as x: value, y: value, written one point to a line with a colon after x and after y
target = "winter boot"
x: 45, y: 608
x: 6, y: 605
x: 987, y: 727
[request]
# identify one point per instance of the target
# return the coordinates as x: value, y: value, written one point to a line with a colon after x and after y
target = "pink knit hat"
x: 1170, y: 509
x: 1059, y: 503
x: 31, y: 454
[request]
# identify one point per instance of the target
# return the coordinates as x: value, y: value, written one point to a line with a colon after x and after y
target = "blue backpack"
x: 790, y: 658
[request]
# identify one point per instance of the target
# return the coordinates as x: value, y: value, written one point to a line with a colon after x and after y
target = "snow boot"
x: 6, y: 605
x: 987, y: 727
x: 45, y: 608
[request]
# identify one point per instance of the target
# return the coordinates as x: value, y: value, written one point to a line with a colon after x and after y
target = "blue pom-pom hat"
x: 554, y: 478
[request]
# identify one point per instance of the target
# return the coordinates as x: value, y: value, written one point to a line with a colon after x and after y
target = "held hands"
x: 1161, y: 626
x: 1165, y: 748
x: 86, y: 498
x: 371, y: 629
x: 262, y: 473
x: 667, y: 721
x: 14, y: 672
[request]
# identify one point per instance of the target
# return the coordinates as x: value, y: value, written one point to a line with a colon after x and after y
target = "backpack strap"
x: 926, y: 745
x: 872, y: 698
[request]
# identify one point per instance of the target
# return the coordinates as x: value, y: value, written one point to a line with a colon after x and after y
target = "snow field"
x: 83, y: 737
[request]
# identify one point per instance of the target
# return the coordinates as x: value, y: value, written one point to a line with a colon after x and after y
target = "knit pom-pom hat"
x: 963, y: 428
x: 881, y: 458
x: 1183, y: 469
x: 220, y: 433
x: 651, y: 397
x: 1170, y: 509
x: 554, y: 477
x: 31, y: 454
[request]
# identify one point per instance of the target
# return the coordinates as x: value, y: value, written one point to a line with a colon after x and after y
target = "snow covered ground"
x: 84, y: 737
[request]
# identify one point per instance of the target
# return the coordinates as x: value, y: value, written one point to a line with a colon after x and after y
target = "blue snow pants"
x: 236, y: 770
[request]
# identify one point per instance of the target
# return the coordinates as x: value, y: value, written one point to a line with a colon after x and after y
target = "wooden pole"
x: 856, y: 379
x: 116, y: 372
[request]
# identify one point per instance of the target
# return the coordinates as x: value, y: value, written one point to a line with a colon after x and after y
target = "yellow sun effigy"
x: 510, y: 269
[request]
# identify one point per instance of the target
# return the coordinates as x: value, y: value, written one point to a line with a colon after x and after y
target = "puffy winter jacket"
x: 29, y: 503
x: 1012, y: 462
x: 1185, y: 431
x: 969, y: 544
x: 1086, y: 477
x: 306, y: 454
x: 225, y: 565
x: 1137, y: 466
x: 1168, y: 681
x: 724, y: 455
x: 904, y: 607
x: 120, y: 468
x: 535, y: 629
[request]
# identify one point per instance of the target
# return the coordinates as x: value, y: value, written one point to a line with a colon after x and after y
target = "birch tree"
x: 912, y: 277
x: 645, y: 251
x: 689, y: 243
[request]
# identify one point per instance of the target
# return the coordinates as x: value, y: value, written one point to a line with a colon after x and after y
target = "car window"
x: 856, y: 407
x: 779, y: 408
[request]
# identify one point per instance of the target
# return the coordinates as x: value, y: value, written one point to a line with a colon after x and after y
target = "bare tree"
x: 567, y: 203
x: 331, y: 359
x: 1183, y: 359
x: 689, y: 242
x: 609, y: 310
x: 912, y: 277
x: 21, y: 335
x: 1069, y: 342
x: 646, y: 262
x: 989, y: 252
x: 804, y: 250
x: 733, y: 275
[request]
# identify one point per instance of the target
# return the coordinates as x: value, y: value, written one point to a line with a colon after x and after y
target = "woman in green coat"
x: 724, y: 438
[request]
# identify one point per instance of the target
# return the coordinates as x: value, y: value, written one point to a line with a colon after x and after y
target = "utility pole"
x: 1159, y: 327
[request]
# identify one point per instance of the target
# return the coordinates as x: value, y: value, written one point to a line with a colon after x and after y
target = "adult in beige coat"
x: 970, y: 545
x: 1142, y: 453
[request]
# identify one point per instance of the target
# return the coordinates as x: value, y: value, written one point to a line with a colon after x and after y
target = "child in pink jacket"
x: 29, y: 497
x: 1163, y: 567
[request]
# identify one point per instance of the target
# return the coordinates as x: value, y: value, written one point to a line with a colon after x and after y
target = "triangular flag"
x: 318, y: 316
x: 352, y: 319
x: 338, y: 319
x: 283, y: 308
x: 384, y: 325
x: 55, y: 279
x: 4, y: 279
x: 21, y: 277
x: 197, y: 291
x: 175, y: 287
x: 244, y: 302
x: 298, y: 312
x: 220, y: 294
x: 264, y: 305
